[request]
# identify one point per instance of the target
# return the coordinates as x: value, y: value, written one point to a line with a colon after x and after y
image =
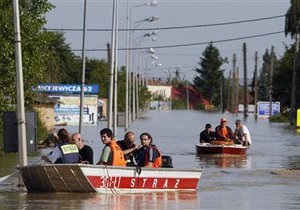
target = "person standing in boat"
x: 241, y: 134
x: 224, y: 132
x: 85, y: 151
x: 112, y: 153
x: 207, y: 135
x: 148, y: 155
x: 64, y: 152
x: 129, y: 148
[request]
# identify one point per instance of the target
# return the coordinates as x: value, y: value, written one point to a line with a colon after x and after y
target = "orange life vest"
x: 117, y: 154
x: 224, y: 132
x: 157, y: 162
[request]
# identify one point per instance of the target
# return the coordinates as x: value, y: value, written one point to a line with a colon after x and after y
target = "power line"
x: 173, y: 27
x: 192, y: 44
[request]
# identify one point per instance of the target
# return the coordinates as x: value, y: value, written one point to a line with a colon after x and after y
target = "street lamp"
x: 136, y: 75
x: 136, y: 24
x: 128, y: 44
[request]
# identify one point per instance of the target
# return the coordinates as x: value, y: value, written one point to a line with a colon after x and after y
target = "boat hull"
x: 106, y: 179
x: 209, y: 149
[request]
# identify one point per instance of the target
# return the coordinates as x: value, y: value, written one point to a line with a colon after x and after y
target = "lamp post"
x: 112, y: 64
x: 128, y: 45
x: 83, y: 69
x: 137, y: 74
x: 136, y: 24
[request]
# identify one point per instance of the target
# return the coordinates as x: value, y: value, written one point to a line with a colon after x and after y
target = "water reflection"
x: 159, y: 200
x: 224, y: 161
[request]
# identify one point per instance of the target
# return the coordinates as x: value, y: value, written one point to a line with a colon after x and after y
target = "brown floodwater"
x: 268, y: 177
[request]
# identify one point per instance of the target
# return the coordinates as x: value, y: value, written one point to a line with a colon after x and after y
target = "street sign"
x: 263, y: 108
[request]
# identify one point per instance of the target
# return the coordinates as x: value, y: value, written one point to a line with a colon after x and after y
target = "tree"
x: 210, y: 75
x: 292, y: 24
x: 97, y: 72
x: 264, y: 77
x: 282, y: 78
x: 62, y: 66
x: 292, y: 19
x: 34, y: 42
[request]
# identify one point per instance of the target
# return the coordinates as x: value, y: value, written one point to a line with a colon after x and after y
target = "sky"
x: 184, y: 29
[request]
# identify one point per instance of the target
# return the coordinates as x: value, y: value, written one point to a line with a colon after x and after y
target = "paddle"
x: 3, y: 178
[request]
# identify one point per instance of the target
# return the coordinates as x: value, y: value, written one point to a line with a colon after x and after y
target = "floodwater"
x: 268, y: 177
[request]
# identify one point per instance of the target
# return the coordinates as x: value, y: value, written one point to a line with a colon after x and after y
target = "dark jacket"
x: 70, y: 153
x: 206, y: 137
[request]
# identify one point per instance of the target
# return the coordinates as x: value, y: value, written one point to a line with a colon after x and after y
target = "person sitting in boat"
x: 148, y: 155
x: 85, y: 151
x: 112, y: 153
x: 65, y: 152
x: 224, y: 132
x: 129, y: 148
x: 207, y: 135
x: 241, y: 134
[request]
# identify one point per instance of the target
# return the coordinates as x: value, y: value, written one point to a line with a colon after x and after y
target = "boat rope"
x: 112, y: 189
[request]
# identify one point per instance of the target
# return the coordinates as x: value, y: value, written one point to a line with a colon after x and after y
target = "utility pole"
x: 187, y: 96
x: 255, y: 85
x: 229, y: 99
x: 237, y: 92
x: 270, y: 82
x: 221, y: 92
x: 21, y: 121
x: 245, y: 80
x: 294, y: 81
x: 233, y: 85
x: 112, y: 67
x: 83, y: 69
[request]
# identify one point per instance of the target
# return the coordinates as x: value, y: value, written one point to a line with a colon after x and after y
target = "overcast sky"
x: 68, y: 14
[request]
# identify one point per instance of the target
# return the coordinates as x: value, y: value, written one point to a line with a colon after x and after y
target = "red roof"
x: 195, y: 98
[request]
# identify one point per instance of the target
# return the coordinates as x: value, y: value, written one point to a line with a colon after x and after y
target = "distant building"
x: 167, y: 93
x: 44, y: 106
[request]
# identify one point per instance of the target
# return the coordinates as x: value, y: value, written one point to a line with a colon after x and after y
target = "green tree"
x: 97, y: 72
x: 292, y: 19
x: 292, y: 27
x: 263, y: 79
x: 62, y: 65
x: 34, y: 42
x: 282, y: 78
x: 210, y: 74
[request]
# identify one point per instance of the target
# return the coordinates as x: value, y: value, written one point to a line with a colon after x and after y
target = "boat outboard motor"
x: 167, y: 161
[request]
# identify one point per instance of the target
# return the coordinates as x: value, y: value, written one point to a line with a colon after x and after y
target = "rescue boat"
x: 221, y: 148
x: 84, y: 178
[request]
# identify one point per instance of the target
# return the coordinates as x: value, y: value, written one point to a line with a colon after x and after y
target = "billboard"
x: 263, y: 108
x: 67, y: 110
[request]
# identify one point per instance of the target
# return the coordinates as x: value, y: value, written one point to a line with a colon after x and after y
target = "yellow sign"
x: 69, y: 148
x: 298, y: 117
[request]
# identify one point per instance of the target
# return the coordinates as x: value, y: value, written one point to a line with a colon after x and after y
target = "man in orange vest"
x: 112, y: 154
x: 224, y: 132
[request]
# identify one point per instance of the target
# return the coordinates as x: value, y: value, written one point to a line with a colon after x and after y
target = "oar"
x: 2, y: 179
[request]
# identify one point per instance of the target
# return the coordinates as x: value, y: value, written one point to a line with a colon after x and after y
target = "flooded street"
x: 268, y: 177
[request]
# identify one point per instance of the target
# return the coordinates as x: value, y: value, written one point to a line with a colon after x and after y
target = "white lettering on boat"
x: 132, y: 183
x: 177, y: 182
x: 166, y: 184
x: 110, y: 182
x: 144, y: 182
x: 135, y: 182
x: 154, y: 184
